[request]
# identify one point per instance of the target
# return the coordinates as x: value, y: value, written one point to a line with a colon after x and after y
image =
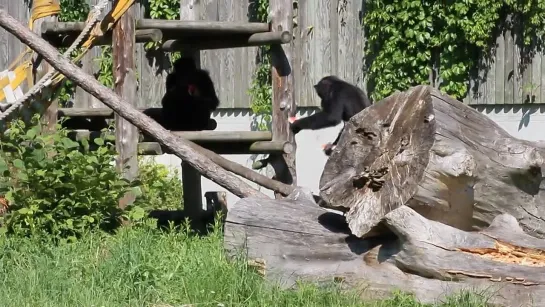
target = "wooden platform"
x: 179, y: 34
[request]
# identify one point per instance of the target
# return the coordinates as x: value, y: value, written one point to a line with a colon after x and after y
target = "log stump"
x: 443, y: 159
x: 294, y: 238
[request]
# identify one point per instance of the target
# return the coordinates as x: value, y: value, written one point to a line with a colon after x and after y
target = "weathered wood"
x: 283, y: 99
x: 91, y: 66
x: 153, y: 148
x: 219, y: 42
x: 232, y: 70
x: 40, y: 69
x: 224, y: 136
x: 182, y: 148
x: 266, y: 147
x: 125, y: 85
x: 240, y: 142
x: 294, y: 238
x: 140, y: 36
x: 244, y: 148
x: 211, y: 150
x: 500, y: 70
x: 171, y: 26
x: 450, y: 163
x: 191, y: 179
x: 509, y: 64
x: 228, y: 137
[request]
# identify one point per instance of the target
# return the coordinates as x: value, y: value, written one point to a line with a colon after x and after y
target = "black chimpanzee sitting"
x: 340, y: 101
x: 189, y: 100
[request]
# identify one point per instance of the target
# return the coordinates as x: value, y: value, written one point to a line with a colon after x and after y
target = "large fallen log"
x: 184, y: 149
x: 293, y: 239
x: 447, y: 161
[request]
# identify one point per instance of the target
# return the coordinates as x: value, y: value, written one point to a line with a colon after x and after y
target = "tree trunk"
x: 179, y: 146
x: 294, y: 238
x: 447, y: 161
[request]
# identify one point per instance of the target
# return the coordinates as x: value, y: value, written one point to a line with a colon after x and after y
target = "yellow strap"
x: 45, y: 8
x: 21, y: 72
x: 40, y: 9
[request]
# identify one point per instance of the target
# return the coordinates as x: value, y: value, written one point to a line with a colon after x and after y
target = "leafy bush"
x: 55, y: 189
x: 161, y: 188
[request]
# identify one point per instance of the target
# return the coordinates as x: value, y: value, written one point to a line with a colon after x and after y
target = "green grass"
x: 146, y: 267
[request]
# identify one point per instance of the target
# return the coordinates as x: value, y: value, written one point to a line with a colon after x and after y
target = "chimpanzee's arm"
x: 330, y: 116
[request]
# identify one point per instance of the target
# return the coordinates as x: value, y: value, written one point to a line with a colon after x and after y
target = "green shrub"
x: 53, y: 188
x: 161, y: 188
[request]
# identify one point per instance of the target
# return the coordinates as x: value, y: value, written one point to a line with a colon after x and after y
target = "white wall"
x: 525, y: 122
x: 521, y: 121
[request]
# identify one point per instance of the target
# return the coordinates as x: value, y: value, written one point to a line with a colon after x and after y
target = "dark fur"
x: 183, y: 111
x: 340, y: 101
x: 91, y: 124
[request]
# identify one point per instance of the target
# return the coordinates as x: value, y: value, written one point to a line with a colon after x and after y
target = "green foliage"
x: 54, y: 189
x: 105, y: 63
x: 140, y: 266
x: 59, y: 189
x: 165, y: 10
x: 74, y: 10
x: 261, y: 92
x: 410, y: 39
x: 161, y: 188
x: 71, y: 10
x: 261, y: 88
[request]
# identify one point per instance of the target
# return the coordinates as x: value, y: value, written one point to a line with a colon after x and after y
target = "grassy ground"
x: 145, y: 267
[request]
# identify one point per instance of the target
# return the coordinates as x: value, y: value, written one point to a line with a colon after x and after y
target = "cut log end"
x: 447, y: 161
x: 380, y: 158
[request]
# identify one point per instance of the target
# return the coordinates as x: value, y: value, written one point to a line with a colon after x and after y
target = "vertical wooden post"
x: 191, y: 179
x: 283, y: 98
x: 125, y: 85
x: 49, y: 118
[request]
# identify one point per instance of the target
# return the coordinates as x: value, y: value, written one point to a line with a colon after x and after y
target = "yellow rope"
x: 45, y: 8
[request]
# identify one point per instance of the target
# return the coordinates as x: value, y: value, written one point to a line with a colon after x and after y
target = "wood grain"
x: 294, y: 239
x: 425, y: 150
x: 283, y: 98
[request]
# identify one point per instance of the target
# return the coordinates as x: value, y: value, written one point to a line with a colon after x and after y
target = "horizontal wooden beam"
x: 90, y: 112
x: 141, y: 36
x: 203, y: 26
x: 265, y: 147
x: 219, y: 42
x: 94, y: 112
x: 243, y: 148
x: 199, y: 137
x: 172, y: 26
x: 220, y: 142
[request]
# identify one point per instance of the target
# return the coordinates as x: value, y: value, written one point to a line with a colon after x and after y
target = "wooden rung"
x: 199, y: 137
x: 265, y: 147
x: 220, y: 142
x: 141, y: 36
x: 173, y: 26
x: 93, y: 112
x: 217, y: 42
